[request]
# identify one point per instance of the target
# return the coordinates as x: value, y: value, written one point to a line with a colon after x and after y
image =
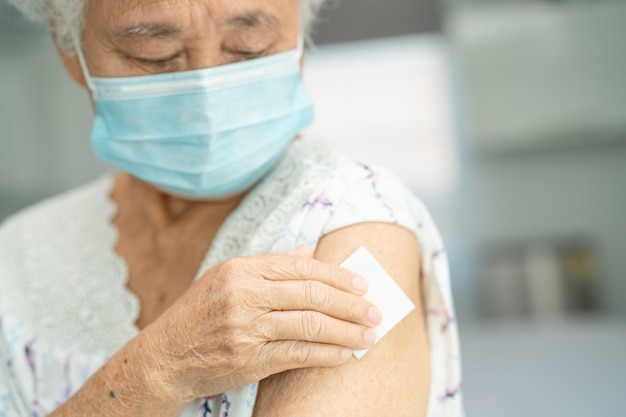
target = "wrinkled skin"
x: 255, y: 317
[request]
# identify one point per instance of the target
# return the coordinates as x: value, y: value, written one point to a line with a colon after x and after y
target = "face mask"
x: 205, y: 133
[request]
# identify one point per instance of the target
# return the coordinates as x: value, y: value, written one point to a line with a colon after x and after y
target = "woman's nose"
x: 206, y: 56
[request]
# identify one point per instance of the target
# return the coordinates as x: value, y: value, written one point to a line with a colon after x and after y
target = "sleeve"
x: 374, y: 194
x: 12, y: 402
x: 14, y: 368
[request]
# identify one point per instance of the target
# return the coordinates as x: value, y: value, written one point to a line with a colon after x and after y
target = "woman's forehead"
x: 123, y: 14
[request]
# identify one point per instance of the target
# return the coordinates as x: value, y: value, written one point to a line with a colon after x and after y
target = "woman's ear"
x: 72, y: 66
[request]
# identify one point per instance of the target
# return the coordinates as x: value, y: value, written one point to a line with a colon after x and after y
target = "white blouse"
x: 65, y: 307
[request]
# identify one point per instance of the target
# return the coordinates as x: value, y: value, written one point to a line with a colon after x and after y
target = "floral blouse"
x: 65, y: 308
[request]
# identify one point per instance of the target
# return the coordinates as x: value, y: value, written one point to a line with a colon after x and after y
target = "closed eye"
x: 248, y: 54
x: 161, y: 62
x: 168, y: 63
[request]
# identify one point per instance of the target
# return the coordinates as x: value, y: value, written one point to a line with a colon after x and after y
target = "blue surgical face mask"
x: 205, y: 133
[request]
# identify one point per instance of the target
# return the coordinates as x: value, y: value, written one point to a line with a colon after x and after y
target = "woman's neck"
x: 163, y: 240
x: 164, y: 209
x: 156, y: 210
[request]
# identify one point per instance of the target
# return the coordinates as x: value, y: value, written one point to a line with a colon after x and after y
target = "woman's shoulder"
x: 57, y: 264
x: 59, y: 213
x: 356, y: 191
x: 346, y: 192
x: 49, y: 230
x: 346, y: 177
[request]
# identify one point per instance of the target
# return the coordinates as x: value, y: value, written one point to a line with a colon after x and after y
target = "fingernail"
x: 375, y: 315
x: 359, y: 284
x: 345, y: 354
x: 369, y: 337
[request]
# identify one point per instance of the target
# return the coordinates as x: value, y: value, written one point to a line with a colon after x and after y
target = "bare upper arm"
x: 393, y: 378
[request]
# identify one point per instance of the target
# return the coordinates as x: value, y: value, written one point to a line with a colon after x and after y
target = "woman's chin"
x: 182, y: 197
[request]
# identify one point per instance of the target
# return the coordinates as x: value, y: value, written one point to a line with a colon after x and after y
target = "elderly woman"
x: 204, y: 278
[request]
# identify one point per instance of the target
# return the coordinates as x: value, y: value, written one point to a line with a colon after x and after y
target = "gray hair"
x: 67, y: 16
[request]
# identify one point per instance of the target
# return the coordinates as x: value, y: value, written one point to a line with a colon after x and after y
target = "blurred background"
x: 508, y: 118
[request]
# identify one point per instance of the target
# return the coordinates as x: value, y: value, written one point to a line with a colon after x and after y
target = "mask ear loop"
x: 81, y: 60
x: 300, y: 47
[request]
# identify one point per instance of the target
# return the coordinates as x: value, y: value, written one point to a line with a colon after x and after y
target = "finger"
x: 286, y: 355
x: 310, y: 326
x: 319, y: 297
x: 289, y: 268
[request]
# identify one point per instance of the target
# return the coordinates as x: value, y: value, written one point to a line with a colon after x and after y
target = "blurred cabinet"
x: 540, y: 73
x: 540, y: 279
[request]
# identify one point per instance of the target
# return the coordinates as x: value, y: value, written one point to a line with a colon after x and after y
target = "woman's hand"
x: 252, y: 317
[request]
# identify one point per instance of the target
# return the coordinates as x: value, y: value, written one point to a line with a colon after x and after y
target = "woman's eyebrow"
x: 252, y: 19
x: 150, y: 30
x: 161, y: 31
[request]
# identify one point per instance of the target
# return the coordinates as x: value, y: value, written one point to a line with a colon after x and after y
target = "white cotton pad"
x: 383, y: 292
